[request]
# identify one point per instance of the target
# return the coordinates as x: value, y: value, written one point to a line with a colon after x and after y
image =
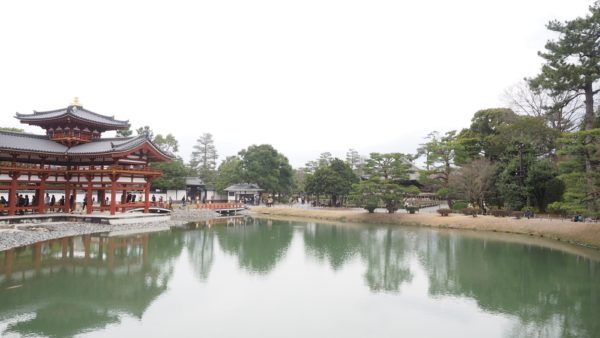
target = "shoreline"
x: 26, y: 234
x: 580, y: 234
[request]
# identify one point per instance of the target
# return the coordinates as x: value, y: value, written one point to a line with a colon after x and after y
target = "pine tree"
x: 204, y: 158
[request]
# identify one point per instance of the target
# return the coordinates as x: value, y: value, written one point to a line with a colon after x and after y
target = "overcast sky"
x: 305, y: 76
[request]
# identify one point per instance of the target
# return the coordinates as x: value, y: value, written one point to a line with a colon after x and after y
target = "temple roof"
x: 30, y: 143
x: 193, y: 181
x: 23, y: 142
x: 244, y: 187
x: 76, y: 112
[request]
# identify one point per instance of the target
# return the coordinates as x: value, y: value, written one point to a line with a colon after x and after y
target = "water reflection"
x: 73, y: 285
x: 545, y: 289
x: 258, y: 243
x: 386, y: 255
x: 333, y: 244
x: 201, y: 250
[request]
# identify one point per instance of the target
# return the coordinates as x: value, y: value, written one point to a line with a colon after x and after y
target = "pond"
x: 250, y: 277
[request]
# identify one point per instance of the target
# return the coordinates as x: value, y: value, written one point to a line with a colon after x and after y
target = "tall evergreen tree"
x: 439, y: 152
x: 204, y: 158
x: 572, y: 67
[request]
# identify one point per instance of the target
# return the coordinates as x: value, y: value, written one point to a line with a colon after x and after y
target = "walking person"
x: 52, y: 203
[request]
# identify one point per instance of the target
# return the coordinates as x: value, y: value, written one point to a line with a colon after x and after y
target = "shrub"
x: 459, y: 205
x: 498, y: 213
x: 517, y: 214
x: 444, y: 211
x: 412, y: 209
x: 370, y: 208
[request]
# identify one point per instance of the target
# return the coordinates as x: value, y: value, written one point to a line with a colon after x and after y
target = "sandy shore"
x: 585, y: 234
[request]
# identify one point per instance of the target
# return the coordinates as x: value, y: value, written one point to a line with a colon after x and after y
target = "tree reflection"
x: 200, y: 245
x: 259, y: 244
x: 334, y: 244
x: 385, y: 252
x: 547, y: 290
x: 68, y: 286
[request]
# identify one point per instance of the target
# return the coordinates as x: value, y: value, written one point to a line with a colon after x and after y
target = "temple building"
x: 73, y: 158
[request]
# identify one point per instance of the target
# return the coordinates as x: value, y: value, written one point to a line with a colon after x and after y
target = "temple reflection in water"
x: 75, y: 285
x: 72, y: 285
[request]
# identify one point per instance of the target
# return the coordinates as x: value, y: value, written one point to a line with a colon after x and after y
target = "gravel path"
x: 24, y: 234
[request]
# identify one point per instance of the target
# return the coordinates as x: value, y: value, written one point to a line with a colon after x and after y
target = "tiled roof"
x: 41, y: 144
x: 29, y: 142
x: 189, y: 181
x: 246, y: 187
x: 77, y: 112
x: 117, y: 144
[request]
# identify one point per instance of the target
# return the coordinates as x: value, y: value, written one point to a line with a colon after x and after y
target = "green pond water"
x: 266, y: 278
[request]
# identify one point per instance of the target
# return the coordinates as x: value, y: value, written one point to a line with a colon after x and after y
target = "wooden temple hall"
x: 72, y: 158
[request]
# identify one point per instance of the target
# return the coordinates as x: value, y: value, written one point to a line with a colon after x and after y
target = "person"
x: 72, y: 202
x: 85, y: 203
x: 47, y: 200
x: 170, y: 202
x: 61, y: 203
x: 3, y: 202
x: 183, y: 201
x: 52, y: 203
x: 153, y: 199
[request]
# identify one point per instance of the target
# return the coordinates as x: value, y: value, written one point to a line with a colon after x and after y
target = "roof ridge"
x: 16, y: 133
x: 68, y: 111
x: 100, y: 115
x: 35, y: 112
x: 126, y: 138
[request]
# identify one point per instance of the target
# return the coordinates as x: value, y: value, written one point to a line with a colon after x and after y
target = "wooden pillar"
x: 124, y: 198
x: 67, y: 199
x: 89, y: 196
x: 12, y: 195
x: 147, y: 195
x: 74, y: 206
x: 113, y: 195
x: 42, y: 196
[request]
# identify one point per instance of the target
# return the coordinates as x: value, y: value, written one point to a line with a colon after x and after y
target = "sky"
x: 306, y: 76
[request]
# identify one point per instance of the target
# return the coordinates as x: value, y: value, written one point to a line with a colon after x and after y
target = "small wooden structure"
x: 243, y: 192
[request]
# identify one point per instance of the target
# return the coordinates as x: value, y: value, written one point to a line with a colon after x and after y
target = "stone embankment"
x: 24, y: 234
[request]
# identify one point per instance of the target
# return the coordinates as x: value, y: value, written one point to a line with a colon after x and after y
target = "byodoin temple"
x: 73, y: 158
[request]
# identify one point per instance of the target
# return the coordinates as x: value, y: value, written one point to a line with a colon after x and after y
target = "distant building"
x: 245, y: 192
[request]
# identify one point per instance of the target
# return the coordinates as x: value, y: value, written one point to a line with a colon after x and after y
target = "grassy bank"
x: 577, y: 233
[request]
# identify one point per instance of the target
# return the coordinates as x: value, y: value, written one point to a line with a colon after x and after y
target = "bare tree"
x: 561, y: 111
x: 473, y: 181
